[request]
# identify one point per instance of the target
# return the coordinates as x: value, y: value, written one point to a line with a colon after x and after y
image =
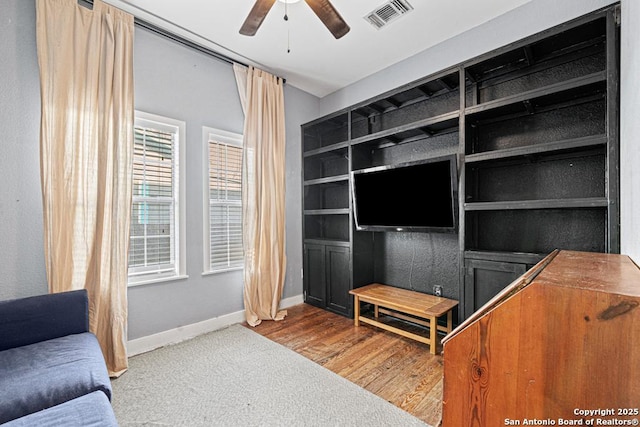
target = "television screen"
x: 416, y: 196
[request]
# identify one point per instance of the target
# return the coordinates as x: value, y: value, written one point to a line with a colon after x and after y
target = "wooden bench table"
x: 415, y: 307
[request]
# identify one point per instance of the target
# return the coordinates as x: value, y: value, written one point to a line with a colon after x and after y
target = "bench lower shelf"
x: 411, y: 306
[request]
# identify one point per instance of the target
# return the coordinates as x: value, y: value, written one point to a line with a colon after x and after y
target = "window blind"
x: 225, y: 206
x: 152, y: 241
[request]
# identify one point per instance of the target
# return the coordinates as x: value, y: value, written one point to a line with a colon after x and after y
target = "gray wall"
x: 524, y: 21
x: 22, y: 270
x: 172, y: 81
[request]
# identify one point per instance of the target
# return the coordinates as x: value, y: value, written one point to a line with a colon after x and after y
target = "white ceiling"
x: 317, y: 63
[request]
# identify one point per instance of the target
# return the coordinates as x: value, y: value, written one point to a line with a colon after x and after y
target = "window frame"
x: 178, y: 129
x: 222, y: 137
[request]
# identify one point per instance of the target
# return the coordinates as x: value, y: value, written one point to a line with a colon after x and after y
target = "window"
x: 156, y: 243
x: 223, y: 218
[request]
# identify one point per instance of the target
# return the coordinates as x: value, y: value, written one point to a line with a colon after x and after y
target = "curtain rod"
x: 182, y: 40
x: 177, y: 38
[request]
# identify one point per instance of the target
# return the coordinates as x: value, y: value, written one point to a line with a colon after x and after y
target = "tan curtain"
x: 263, y: 185
x: 86, y: 149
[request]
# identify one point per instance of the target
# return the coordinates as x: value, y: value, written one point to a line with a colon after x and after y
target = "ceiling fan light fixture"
x: 288, y: 1
x: 323, y: 9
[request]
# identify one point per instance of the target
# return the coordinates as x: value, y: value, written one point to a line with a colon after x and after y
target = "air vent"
x: 388, y: 12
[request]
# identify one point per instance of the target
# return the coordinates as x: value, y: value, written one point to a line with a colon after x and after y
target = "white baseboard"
x: 291, y: 301
x: 173, y: 336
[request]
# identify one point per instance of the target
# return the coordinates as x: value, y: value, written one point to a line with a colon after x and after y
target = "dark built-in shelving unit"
x: 535, y: 126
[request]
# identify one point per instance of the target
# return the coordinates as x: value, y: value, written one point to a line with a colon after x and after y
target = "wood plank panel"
x: 397, y: 369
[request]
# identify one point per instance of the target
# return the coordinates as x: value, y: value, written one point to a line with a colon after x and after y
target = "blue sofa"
x: 52, y: 371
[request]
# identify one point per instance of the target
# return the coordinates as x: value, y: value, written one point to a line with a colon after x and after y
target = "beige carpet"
x: 236, y: 377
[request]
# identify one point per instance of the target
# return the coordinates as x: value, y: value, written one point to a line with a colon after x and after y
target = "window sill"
x: 226, y: 270
x: 154, y: 280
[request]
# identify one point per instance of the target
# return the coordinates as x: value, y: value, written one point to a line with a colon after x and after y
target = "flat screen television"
x: 415, y: 196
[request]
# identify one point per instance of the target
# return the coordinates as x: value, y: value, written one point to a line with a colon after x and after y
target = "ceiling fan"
x: 322, y: 8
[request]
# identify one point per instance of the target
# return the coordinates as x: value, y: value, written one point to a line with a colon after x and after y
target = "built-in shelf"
x: 414, y: 94
x: 333, y: 149
x: 344, y: 211
x: 545, y: 147
x: 535, y: 125
x: 523, y: 62
x: 421, y: 128
x: 338, y: 179
x: 588, y: 202
x: 527, y: 102
x: 526, y: 58
x: 332, y: 242
x: 516, y: 257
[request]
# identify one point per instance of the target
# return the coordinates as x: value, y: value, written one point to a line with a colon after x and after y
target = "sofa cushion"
x: 30, y: 320
x: 38, y: 376
x: 90, y: 410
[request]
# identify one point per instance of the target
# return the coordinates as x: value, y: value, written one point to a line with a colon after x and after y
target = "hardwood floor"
x: 397, y: 369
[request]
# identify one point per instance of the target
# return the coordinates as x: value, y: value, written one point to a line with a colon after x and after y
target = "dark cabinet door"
x: 327, y: 277
x: 484, y: 279
x: 338, y: 279
x: 314, y: 274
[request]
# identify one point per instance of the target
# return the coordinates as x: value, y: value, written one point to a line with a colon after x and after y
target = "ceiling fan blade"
x: 329, y: 17
x: 256, y: 16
